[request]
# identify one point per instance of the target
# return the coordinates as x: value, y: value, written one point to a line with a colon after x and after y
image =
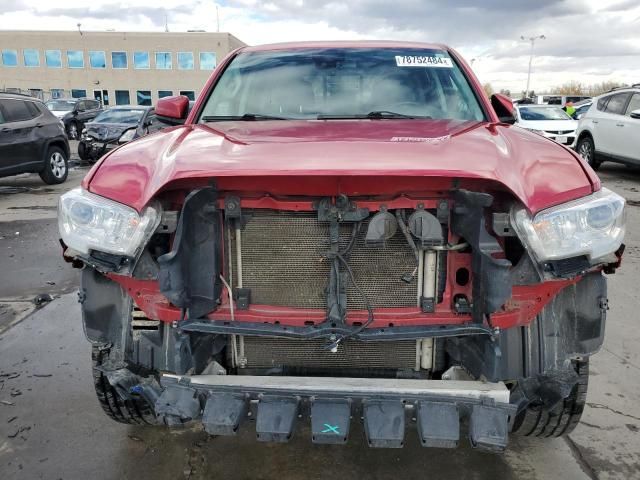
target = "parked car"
x: 549, y: 121
x: 610, y: 131
x: 74, y: 113
x: 32, y: 139
x: 114, y: 127
x: 581, y: 108
x: 344, y: 231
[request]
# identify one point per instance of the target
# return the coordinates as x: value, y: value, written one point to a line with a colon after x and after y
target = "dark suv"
x: 74, y: 113
x: 32, y: 139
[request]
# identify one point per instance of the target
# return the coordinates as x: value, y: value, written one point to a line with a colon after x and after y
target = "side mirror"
x: 504, y: 108
x: 635, y: 114
x: 172, y: 110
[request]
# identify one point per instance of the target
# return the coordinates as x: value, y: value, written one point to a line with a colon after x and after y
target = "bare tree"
x: 488, y: 89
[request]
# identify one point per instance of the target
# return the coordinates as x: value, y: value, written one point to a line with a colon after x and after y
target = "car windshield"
x: 543, y: 113
x: 61, y: 105
x: 333, y: 83
x: 119, y: 115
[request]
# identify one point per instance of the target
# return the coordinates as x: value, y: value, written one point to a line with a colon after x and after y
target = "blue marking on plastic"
x: 331, y: 429
x: 136, y: 389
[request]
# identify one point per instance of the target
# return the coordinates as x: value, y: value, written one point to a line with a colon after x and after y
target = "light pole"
x: 532, y: 40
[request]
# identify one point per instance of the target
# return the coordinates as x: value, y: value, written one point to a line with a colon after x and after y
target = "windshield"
x: 119, y: 115
x: 61, y: 105
x: 543, y: 113
x: 342, y: 83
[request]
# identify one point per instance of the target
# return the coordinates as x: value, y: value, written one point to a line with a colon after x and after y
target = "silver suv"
x: 610, y: 129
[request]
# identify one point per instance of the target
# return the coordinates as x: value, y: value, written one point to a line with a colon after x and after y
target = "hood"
x: 549, y: 125
x: 107, y: 131
x: 359, y: 157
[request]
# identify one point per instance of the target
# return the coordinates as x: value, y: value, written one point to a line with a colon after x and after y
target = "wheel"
x: 587, y: 150
x: 134, y: 411
x: 72, y: 130
x: 537, y: 421
x: 82, y: 151
x: 56, y: 166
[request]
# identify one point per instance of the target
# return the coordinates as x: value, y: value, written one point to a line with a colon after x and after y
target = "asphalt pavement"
x: 52, y: 427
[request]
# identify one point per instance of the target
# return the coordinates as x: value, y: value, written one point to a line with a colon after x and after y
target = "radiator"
x: 265, y: 352
x: 283, y: 264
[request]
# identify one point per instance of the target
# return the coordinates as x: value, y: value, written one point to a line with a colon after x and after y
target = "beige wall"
x: 131, y: 79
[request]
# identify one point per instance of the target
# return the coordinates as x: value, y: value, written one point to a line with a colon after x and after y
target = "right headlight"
x: 593, y: 226
x: 91, y: 222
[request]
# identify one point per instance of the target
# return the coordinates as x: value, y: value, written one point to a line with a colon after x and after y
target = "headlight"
x: 539, y: 132
x: 593, y: 226
x: 127, y: 136
x: 90, y: 222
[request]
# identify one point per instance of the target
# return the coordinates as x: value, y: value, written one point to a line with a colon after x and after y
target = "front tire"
x: 538, y: 421
x: 133, y: 411
x: 82, y: 151
x: 56, y: 166
x: 586, y: 149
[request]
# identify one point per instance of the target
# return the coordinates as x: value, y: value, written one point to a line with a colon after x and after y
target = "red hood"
x: 537, y: 171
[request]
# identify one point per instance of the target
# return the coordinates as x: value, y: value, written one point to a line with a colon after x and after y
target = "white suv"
x: 610, y: 129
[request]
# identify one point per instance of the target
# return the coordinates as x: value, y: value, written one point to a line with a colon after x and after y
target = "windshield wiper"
x: 375, y: 115
x: 245, y: 117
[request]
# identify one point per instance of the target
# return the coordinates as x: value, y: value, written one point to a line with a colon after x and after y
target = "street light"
x: 532, y: 40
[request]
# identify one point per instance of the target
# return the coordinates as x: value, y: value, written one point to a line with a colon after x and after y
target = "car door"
x: 630, y: 147
x: 611, y: 127
x: 19, y: 146
x: 92, y: 109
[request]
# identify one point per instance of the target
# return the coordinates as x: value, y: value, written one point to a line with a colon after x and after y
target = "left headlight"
x: 127, y: 136
x: 91, y: 222
x: 593, y: 226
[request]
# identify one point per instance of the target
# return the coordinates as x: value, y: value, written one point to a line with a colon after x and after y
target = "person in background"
x: 570, y: 109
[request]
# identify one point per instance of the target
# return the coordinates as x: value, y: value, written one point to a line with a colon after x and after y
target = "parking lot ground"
x: 52, y: 427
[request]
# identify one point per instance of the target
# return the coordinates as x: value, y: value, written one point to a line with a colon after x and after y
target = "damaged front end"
x: 214, y: 303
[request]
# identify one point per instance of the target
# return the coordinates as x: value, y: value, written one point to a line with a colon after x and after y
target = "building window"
x: 190, y: 94
x: 10, y: 58
x: 53, y: 58
x: 37, y: 93
x: 57, y: 93
x: 119, y: 59
x: 207, y: 60
x: 31, y: 57
x: 122, y: 97
x: 163, y: 60
x: 78, y: 93
x: 143, y: 97
x: 75, y: 59
x: 164, y: 93
x: 97, y: 60
x: 141, y: 60
x: 185, y: 60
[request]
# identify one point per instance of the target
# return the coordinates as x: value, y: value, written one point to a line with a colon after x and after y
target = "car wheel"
x: 56, y: 166
x: 82, y: 151
x: 587, y: 151
x: 72, y: 131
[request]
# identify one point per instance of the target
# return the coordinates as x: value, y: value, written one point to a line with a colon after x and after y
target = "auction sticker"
x: 423, y: 61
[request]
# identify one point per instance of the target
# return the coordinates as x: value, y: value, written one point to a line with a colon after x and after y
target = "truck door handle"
x: 595, y: 121
x: 619, y: 124
x: 39, y: 125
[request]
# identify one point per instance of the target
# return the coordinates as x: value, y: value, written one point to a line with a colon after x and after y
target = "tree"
x: 488, y: 89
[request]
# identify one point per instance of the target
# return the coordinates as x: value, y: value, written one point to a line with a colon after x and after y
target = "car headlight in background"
x: 127, y: 136
x: 593, y: 226
x: 91, y: 222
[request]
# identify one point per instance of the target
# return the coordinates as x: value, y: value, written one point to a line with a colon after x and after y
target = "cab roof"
x: 344, y: 44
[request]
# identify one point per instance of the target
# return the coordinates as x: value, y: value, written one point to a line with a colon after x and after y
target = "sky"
x: 585, y: 40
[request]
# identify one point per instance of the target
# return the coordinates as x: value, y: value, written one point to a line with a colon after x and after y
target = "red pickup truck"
x: 342, y: 232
